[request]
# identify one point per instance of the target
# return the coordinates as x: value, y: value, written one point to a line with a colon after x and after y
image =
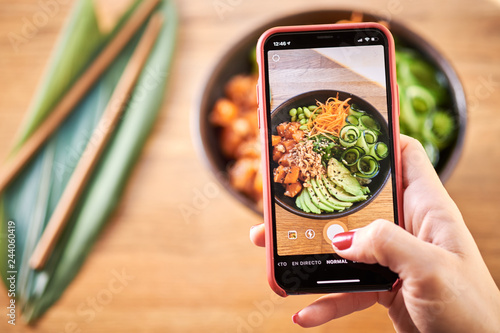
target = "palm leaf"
x: 31, y: 198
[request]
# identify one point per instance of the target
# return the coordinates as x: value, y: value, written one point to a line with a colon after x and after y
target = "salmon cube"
x: 288, y: 144
x: 293, y: 189
x: 224, y: 112
x: 285, y: 160
x: 242, y: 174
x: 292, y: 175
x: 298, y: 136
x: 280, y: 174
x: 275, y: 140
x: 277, y: 154
x: 281, y: 128
x: 291, y: 129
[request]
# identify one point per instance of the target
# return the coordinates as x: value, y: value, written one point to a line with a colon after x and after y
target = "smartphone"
x: 328, y: 118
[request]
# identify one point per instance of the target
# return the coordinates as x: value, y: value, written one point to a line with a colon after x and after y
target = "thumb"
x: 384, y: 243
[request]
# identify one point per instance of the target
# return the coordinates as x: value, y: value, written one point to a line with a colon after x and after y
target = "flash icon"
x: 310, y: 234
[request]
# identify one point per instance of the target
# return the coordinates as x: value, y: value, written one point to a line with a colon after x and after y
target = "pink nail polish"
x: 294, y: 318
x: 396, y: 284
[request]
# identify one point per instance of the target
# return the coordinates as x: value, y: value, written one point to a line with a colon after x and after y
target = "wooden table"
x: 201, y: 273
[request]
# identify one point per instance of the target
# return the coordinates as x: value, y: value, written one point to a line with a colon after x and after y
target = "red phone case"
x: 262, y: 112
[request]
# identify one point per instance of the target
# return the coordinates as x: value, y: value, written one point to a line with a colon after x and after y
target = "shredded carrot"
x: 330, y: 117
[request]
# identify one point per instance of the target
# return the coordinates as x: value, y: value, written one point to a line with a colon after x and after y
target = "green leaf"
x: 30, y: 200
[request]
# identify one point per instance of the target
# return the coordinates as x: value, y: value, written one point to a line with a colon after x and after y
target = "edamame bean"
x: 302, y: 121
x: 301, y: 116
x: 293, y: 112
x: 312, y: 107
x: 307, y: 112
x: 300, y: 110
x: 303, y: 127
x: 294, y: 118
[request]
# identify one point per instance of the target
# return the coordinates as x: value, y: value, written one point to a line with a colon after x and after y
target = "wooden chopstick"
x: 15, y: 164
x: 95, y: 147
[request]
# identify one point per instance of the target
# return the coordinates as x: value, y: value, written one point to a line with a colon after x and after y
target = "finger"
x: 416, y: 165
x: 257, y: 235
x: 399, y: 315
x: 387, y: 244
x: 420, y: 179
x: 423, y: 188
x: 333, y: 306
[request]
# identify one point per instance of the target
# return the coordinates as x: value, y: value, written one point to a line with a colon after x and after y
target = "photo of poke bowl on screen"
x: 330, y: 154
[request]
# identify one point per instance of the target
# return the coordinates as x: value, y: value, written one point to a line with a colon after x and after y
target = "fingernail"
x: 343, y: 240
x: 396, y: 284
x: 294, y: 318
x: 254, y: 226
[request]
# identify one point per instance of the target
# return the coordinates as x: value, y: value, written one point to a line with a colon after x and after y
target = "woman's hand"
x: 446, y: 286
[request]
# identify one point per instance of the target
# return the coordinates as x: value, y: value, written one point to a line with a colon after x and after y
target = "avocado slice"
x: 317, y: 202
x: 341, y: 177
x: 298, y: 201
x: 322, y: 199
x: 308, y: 203
x: 303, y: 205
x: 322, y: 192
x: 340, y: 194
x: 323, y: 187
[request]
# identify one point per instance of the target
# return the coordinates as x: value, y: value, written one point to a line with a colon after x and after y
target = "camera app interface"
x: 330, y: 142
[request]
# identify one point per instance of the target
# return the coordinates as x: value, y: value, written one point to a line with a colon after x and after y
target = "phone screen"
x: 331, y: 149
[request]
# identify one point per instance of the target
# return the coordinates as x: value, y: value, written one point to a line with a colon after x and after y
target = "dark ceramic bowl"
x: 236, y: 61
x: 280, y: 115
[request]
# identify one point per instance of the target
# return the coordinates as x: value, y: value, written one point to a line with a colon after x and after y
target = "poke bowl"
x: 360, y: 148
x: 237, y: 61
